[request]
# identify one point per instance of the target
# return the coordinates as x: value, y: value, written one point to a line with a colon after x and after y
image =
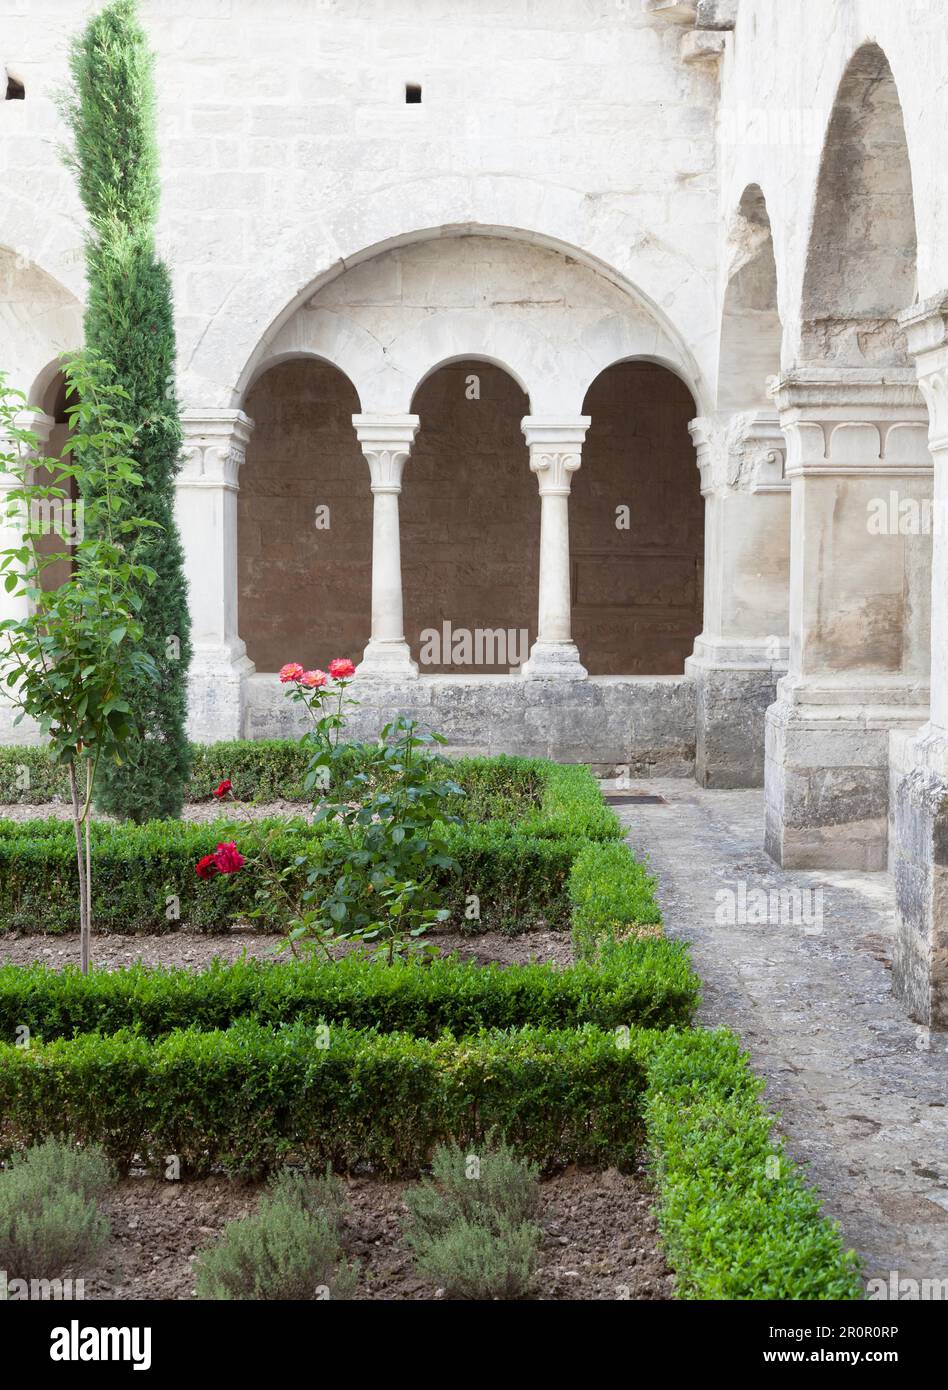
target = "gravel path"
x: 862, y: 1090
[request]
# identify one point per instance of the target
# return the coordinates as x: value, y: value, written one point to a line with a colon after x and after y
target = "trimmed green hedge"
x: 647, y: 982
x: 143, y: 878
x: 247, y: 1098
x: 610, y: 890
x: 737, y: 1218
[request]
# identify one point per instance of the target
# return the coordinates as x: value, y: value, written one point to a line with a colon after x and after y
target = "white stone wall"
x: 288, y: 151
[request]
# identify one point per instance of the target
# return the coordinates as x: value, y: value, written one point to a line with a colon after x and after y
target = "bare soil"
x: 196, y: 950
x: 600, y: 1238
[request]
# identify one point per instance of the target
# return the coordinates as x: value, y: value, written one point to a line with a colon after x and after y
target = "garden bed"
x: 600, y: 1238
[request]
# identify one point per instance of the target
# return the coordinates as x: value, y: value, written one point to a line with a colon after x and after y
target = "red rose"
x: 313, y: 679
x: 206, y: 868
x: 341, y: 668
x: 228, y: 858
x: 224, y: 788
x: 290, y: 672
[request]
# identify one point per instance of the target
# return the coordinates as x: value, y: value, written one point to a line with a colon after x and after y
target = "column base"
x: 388, y: 660
x: 554, y: 661
x: 826, y: 772
x: 216, y: 692
x: 735, y: 683
x: 920, y: 871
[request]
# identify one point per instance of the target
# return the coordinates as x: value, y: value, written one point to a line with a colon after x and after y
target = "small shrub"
x: 491, y: 1188
x: 477, y: 1262
x: 289, y: 1249
x: 469, y: 1223
x: 49, y: 1216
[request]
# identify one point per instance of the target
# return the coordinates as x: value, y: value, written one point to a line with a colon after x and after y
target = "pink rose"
x: 292, y: 671
x: 228, y: 858
x: 313, y: 679
x: 341, y: 668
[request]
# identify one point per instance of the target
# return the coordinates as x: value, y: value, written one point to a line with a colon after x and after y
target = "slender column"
x: 215, y: 447
x: 17, y: 605
x: 860, y: 590
x: 742, y: 649
x: 920, y: 764
x: 555, y: 454
x: 386, y: 442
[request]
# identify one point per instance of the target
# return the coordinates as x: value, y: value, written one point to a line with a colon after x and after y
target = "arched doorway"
x: 637, y: 525
x: 304, y: 520
x: 470, y: 524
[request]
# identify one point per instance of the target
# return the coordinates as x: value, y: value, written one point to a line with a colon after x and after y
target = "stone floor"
x: 862, y: 1091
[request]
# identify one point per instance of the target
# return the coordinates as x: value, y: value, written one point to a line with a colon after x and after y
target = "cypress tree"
x: 129, y: 322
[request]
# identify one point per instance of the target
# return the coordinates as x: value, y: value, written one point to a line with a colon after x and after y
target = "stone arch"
x: 751, y: 332
x: 333, y: 338
x: 39, y: 320
x: 227, y: 358
x: 304, y: 518
x: 470, y: 523
x: 861, y: 259
x: 637, y: 524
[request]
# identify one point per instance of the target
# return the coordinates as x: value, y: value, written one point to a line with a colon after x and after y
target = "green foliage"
x: 470, y: 1224
x: 640, y: 983
x: 611, y: 892
x: 476, y: 1262
x: 376, y: 876
x: 247, y: 1098
x: 130, y: 320
x: 49, y: 1218
x: 737, y: 1218
x: 491, y: 1187
x: 288, y: 1249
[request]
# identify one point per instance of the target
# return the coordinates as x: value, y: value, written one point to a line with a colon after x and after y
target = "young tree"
x: 130, y: 323
x: 75, y: 649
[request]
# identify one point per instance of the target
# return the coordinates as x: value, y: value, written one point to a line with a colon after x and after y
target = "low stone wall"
x: 643, y: 723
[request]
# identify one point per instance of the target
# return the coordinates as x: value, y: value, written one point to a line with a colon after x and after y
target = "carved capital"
x: 555, y: 450
x: 386, y: 442
x: 853, y: 423
x: 740, y: 452
x: 34, y: 422
x: 215, y: 447
x: 926, y: 328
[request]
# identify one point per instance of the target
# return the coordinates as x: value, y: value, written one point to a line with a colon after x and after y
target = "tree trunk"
x: 82, y: 864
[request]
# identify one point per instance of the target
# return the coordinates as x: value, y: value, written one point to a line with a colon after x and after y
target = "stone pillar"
x: 920, y: 824
x: 742, y: 649
x: 386, y: 442
x: 215, y: 446
x: 859, y: 613
x: 555, y: 453
x: 17, y: 605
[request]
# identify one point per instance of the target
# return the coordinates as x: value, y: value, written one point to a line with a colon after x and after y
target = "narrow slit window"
x: 413, y: 93
x: 15, y: 90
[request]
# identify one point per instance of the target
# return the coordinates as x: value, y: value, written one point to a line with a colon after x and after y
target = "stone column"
x: 555, y: 453
x: 919, y: 855
x: 215, y: 446
x: 742, y: 649
x: 17, y: 605
x: 386, y: 442
x: 859, y: 613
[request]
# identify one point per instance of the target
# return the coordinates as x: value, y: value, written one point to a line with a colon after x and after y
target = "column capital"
x: 555, y: 446
x: 742, y: 451
x: 852, y: 422
x: 386, y: 442
x: 926, y: 329
x: 215, y: 447
x: 36, y: 422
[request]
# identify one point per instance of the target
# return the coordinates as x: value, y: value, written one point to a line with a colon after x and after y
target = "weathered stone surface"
x: 860, y: 1089
x: 643, y: 725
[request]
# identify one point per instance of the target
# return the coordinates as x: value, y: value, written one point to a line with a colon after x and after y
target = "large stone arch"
x: 860, y: 270
x: 226, y: 357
